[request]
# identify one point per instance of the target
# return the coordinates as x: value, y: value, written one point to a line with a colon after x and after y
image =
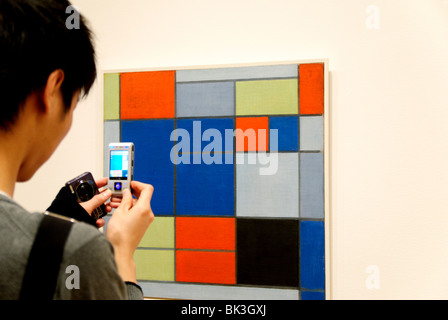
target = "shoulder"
x: 17, y: 223
x: 87, y: 249
x: 88, y: 246
x: 18, y: 229
x: 81, y: 234
x: 88, y: 269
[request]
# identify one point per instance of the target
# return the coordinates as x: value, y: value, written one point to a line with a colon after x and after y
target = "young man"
x: 45, y: 68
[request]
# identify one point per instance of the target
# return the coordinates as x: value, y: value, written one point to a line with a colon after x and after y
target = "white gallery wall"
x: 388, y: 63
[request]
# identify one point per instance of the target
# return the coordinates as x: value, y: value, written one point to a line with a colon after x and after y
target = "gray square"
x: 312, y: 185
x: 205, y: 99
x: 311, y: 133
x: 238, y: 73
x: 275, y: 195
x: 111, y: 134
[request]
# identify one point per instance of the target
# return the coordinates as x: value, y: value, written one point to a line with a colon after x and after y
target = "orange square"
x: 205, y: 267
x: 311, y: 88
x: 147, y: 95
x: 205, y: 233
x: 252, y: 134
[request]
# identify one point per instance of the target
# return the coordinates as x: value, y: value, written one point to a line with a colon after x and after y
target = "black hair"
x: 36, y: 38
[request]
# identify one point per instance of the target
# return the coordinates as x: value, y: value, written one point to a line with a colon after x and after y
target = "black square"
x: 268, y: 252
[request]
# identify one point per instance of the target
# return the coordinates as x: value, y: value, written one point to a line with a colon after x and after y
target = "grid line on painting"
x: 213, y: 205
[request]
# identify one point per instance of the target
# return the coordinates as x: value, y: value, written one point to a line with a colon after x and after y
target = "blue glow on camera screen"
x: 119, y: 164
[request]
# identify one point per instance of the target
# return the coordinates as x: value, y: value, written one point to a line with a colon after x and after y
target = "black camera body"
x: 84, y: 188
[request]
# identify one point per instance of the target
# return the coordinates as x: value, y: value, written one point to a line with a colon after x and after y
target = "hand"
x: 98, y: 200
x: 128, y: 225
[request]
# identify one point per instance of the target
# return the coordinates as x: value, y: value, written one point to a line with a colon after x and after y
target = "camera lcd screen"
x: 119, y: 164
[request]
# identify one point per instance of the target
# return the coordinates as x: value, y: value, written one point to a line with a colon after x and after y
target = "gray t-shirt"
x: 88, y: 255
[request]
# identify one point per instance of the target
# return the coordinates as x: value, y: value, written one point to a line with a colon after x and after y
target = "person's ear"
x: 52, y: 92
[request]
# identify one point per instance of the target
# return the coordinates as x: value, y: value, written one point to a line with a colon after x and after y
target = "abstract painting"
x: 236, y: 155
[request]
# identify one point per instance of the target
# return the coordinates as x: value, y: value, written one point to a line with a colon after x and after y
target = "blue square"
x: 288, y: 133
x: 204, y: 189
x: 312, y: 255
x: 313, y: 295
x: 205, y: 131
x: 152, y: 159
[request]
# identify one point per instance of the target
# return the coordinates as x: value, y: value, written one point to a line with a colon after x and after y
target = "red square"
x: 311, y: 88
x: 205, y: 267
x: 252, y: 134
x: 205, y: 233
x: 147, y: 95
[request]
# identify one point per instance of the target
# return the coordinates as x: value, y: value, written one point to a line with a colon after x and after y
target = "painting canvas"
x: 236, y: 155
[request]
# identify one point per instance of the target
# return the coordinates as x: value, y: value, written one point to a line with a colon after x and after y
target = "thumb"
x: 127, y: 200
x: 96, y: 201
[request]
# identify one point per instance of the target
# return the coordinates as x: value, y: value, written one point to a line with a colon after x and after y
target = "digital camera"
x: 85, y: 188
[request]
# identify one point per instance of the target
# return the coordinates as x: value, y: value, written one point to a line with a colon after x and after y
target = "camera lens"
x: 85, y: 191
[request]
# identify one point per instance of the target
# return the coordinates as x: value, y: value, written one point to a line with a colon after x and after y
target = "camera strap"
x: 44, y: 262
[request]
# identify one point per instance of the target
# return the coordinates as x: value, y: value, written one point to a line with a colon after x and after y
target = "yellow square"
x: 265, y: 97
x: 154, y: 265
x: 160, y: 234
x: 111, y: 96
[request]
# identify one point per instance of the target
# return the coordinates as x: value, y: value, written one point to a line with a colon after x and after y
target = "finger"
x: 115, y: 202
x: 116, y: 199
x: 100, y: 223
x: 96, y: 201
x: 140, y: 187
x: 145, y: 193
x: 114, y: 205
x: 127, y: 201
x: 101, y: 182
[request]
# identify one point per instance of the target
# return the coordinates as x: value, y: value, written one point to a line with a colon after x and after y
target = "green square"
x: 266, y: 97
x: 160, y: 234
x: 111, y: 96
x: 154, y: 265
